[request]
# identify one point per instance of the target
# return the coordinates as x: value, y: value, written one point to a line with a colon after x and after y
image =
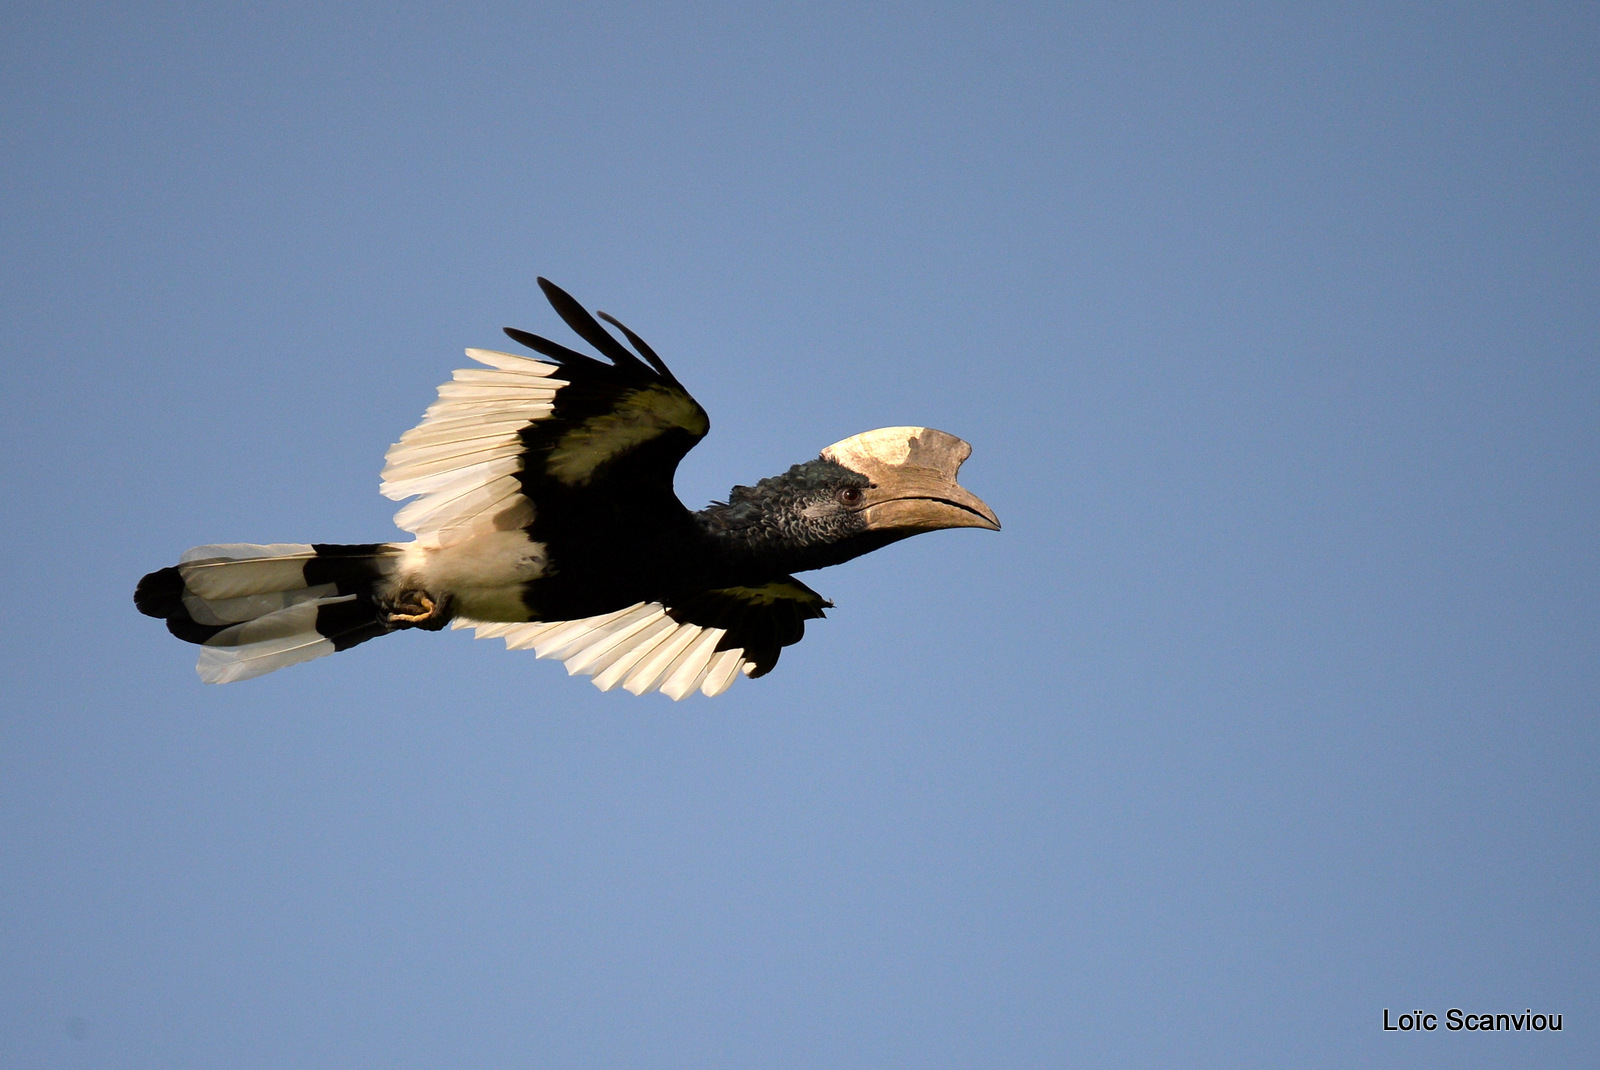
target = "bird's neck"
x: 761, y: 542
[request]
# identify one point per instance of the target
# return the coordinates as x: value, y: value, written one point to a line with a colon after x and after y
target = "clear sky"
x: 1276, y: 333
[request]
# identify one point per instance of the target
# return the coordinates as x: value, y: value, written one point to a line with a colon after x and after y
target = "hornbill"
x: 544, y: 514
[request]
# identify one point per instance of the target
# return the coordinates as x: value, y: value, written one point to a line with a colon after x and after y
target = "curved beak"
x: 913, y: 472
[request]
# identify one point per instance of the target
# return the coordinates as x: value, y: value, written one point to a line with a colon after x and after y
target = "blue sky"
x: 1274, y: 330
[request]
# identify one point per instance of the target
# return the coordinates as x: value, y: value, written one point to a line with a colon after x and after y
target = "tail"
x: 258, y: 608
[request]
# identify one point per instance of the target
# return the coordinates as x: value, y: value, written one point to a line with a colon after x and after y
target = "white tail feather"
x: 279, y: 639
x: 231, y: 570
x: 214, y: 611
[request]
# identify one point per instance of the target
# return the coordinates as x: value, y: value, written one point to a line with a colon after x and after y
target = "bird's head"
x: 911, y: 481
x: 862, y: 493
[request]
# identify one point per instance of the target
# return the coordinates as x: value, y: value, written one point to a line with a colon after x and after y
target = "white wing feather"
x: 639, y: 647
x: 461, y: 461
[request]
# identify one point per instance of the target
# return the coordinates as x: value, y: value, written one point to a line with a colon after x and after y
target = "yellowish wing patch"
x: 774, y: 592
x: 639, y: 416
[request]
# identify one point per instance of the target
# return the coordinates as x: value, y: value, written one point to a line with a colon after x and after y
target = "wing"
x: 703, y: 644
x: 501, y: 441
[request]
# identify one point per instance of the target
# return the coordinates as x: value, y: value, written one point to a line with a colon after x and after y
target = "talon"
x: 423, y: 608
x: 415, y: 609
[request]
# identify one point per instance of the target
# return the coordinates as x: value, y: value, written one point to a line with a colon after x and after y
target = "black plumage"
x: 545, y: 514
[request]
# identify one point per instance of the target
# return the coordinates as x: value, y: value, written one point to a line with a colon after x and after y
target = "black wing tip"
x: 584, y: 324
x: 554, y: 293
x: 529, y: 339
x: 557, y: 352
x: 643, y: 347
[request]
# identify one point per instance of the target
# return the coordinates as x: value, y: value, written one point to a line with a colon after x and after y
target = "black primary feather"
x: 585, y: 326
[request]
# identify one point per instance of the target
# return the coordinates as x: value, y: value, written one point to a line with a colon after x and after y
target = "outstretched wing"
x: 703, y: 643
x: 502, y: 440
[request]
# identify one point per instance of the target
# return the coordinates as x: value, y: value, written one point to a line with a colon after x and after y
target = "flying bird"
x: 544, y: 514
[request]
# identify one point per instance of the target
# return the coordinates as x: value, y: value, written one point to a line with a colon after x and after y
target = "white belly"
x: 482, y: 576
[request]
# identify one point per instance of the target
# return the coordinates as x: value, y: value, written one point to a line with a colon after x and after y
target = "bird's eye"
x: 850, y: 496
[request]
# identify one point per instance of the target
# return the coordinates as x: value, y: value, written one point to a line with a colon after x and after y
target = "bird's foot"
x: 416, y: 609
